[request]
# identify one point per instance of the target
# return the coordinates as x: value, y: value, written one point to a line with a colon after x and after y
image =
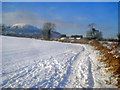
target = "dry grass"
x: 81, y: 41
x: 111, y: 56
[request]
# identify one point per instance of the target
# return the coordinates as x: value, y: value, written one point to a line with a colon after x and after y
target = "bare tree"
x: 118, y: 39
x: 92, y: 25
x: 118, y: 36
x: 47, y: 28
x: 93, y: 33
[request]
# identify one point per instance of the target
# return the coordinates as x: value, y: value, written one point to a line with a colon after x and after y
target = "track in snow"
x: 43, y: 64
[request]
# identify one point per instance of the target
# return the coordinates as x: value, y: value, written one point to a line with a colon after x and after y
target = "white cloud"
x: 69, y: 25
x: 22, y: 17
x: 10, y: 18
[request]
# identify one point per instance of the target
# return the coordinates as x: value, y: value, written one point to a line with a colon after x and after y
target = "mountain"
x: 22, y: 26
x: 55, y: 34
x: 22, y: 29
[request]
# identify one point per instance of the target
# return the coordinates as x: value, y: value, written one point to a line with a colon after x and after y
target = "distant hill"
x: 22, y: 29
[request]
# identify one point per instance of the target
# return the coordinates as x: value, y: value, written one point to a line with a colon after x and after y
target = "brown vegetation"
x: 111, y: 56
x: 80, y: 41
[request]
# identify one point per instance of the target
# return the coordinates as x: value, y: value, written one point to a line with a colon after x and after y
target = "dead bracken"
x: 111, y: 56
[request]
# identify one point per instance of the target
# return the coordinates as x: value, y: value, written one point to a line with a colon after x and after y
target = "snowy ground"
x: 30, y: 63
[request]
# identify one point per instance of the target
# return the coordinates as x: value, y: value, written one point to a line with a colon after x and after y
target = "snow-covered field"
x: 30, y: 63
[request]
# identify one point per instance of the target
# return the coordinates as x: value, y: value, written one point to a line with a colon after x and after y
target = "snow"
x: 31, y: 63
x: 23, y: 26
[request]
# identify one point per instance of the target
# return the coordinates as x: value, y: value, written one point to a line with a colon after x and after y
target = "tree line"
x: 49, y: 27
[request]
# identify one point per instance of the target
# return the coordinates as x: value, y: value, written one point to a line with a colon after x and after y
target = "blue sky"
x: 60, y: 1
x: 69, y: 17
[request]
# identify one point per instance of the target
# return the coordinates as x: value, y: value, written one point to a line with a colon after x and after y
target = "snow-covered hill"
x: 22, y: 29
x: 30, y: 63
x: 22, y: 26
